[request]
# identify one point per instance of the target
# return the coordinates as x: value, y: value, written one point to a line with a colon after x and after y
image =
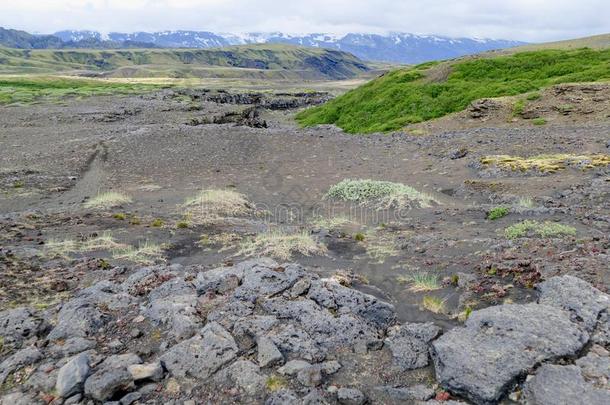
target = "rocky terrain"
x: 169, y: 248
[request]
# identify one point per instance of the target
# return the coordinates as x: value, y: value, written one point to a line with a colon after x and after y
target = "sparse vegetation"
x: 433, y: 304
x: 526, y: 202
x: 497, y: 213
x: 281, y: 245
x: 119, y: 215
x: 275, y: 383
x: 359, y: 237
x: 61, y: 248
x: 546, y: 163
x: 518, y: 107
x: 105, y: 241
x: 107, y: 200
x: 407, y: 96
x: 213, y: 204
x: 182, y: 224
x: 146, y: 253
x: 423, y: 282
x: 544, y: 230
x: 533, y: 96
x: 539, y: 121
x: 330, y: 223
x: 157, y: 223
x: 379, y: 194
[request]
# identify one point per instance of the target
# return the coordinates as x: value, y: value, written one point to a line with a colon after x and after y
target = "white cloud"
x: 531, y: 20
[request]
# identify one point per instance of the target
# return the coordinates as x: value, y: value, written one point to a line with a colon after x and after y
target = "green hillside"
x: 308, y: 62
x: 433, y: 90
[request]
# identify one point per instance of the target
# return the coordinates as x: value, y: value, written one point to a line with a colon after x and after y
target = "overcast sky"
x: 528, y: 20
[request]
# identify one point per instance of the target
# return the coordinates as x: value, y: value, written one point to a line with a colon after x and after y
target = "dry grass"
x: 226, y: 240
x: 547, y: 163
x: 146, y: 253
x: 433, y: 304
x: 281, y: 245
x: 210, y: 205
x: 330, y: 223
x: 105, y: 241
x: 423, y: 282
x: 107, y: 200
x: 61, y: 248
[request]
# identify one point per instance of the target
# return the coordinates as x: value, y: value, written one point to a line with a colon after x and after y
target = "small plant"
x: 157, y: 223
x: 424, y: 282
x: 539, y: 121
x: 182, y: 224
x: 533, y: 96
x: 134, y: 220
x: 61, y: 248
x: 455, y: 279
x: 107, y: 200
x: 526, y: 202
x: 119, y: 215
x: 146, y: 253
x: 275, y: 383
x: 330, y: 223
x: 379, y: 194
x: 433, y: 304
x: 211, y: 205
x: 546, y: 229
x: 359, y: 237
x: 105, y: 241
x: 547, y: 163
x: 282, y: 245
x: 18, y: 184
x: 518, y: 107
x: 103, y: 264
x: 497, y: 213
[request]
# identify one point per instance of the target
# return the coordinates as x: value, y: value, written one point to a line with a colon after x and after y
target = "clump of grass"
x: 120, y: 216
x: 518, y: 107
x: 275, y: 383
x: 433, y: 304
x: 157, y: 223
x: 330, y: 222
x: 525, y: 202
x: 282, y: 245
x: 134, y: 220
x: 547, y: 163
x: 210, y: 205
x: 359, y: 237
x: 379, y: 194
x: 497, y: 213
x: 544, y: 230
x: 61, y: 248
x: 105, y: 241
x: 226, y: 240
x: 18, y: 184
x: 381, y: 245
x: 107, y: 200
x: 533, y: 96
x: 146, y: 253
x: 423, y: 282
x: 182, y: 224
x: 539, y: 121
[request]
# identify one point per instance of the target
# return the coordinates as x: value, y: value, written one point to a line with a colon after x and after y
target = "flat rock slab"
x: 498, y: 344
x: 583, y: 301
x: 409, y: 344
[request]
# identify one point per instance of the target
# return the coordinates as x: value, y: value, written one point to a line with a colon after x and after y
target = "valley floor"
x: 433, y: 264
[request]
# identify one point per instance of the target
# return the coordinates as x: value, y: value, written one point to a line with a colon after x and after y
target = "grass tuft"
x: 423, y: 282
x: 107, y: 200
x: 379, y: 194
x: 210, y: 205
x: 281, y: 245
x: 105, y: 241
x: 546, y: 163
x: 146, y: 253
x: 433, y: 304
x: 544, y: 230
x: 497, y: 213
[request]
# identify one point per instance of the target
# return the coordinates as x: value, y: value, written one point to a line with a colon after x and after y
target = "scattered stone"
x: 583, y: 301
x: 310, y: 376
x: 103, y: 384
x: 458, y: 153
x: 202, y: 355
x: 293, y: 367
x: 409, y: 344
x: 70, y: 347
x: 497, y: 344
x: 314, y: 397
x: 149, y: 371
x: 130, y: 398
x: 283, y: 397
x: 268, y: 353
x: 18, y: 324
x: 246, y: 376
x: 554, y: 385
x: 22, y: 358
x: 72, y: 376
x: 350, y: 396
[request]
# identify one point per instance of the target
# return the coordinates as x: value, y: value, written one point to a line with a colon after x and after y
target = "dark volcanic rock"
x: 409, y: 344
x: 72, y: 376
x: 498, y: 344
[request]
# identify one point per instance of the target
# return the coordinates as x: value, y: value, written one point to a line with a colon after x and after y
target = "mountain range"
x: 393, y: 47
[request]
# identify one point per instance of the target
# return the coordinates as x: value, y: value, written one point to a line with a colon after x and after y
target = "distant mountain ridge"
x: 393, y: 47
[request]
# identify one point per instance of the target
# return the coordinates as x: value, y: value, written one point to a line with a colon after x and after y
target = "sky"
x: 527, y: 20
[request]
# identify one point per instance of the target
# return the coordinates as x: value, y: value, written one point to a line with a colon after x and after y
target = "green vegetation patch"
x: 28, y: 89
x: 551, y: 163
x: 379, y: 194
x: 541, y: 229
x: 497, y: 213
x: 408, y: 96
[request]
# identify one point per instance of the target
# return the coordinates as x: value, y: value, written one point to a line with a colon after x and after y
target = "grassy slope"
x: 433, y: 90
x: 29, y: 89
x: 324, y: 63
